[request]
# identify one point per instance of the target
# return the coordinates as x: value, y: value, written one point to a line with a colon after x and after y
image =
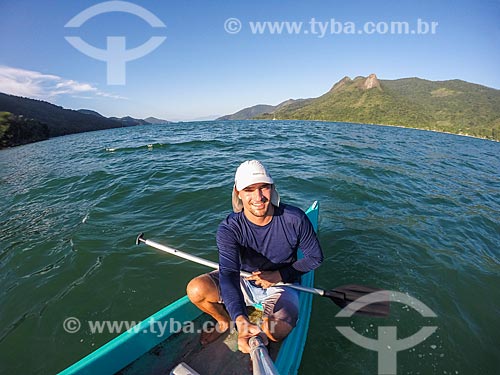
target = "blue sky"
x: 201, y: 71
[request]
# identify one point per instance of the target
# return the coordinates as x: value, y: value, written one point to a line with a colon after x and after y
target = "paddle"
x: 262, y: 364
x: 342, y: 296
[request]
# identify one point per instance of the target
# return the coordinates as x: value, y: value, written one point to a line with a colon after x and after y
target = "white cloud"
x: 38, y: 85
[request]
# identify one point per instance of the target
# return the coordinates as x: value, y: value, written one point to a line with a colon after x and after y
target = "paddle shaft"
x: 261, y: 361
x: 342, y: 296
x: 214, y: 265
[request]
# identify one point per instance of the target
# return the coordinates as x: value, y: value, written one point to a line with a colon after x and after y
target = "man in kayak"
x: 261, y: 236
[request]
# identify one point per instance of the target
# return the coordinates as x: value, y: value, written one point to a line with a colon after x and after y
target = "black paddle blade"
x: 139, y: 239
x: 347, y: 295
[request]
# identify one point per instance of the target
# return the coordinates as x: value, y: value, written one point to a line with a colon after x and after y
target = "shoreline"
x: 395, y: 126
x: 440, y: 131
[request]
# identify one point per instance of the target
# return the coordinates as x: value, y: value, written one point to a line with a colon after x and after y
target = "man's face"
x: 256, y: 199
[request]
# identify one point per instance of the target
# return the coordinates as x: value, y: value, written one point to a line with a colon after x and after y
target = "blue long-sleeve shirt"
x: 249, y: 247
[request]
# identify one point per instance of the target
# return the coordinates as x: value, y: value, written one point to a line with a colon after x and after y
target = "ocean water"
x: 405, y: 210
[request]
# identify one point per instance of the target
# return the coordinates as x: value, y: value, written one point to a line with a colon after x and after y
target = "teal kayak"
x: 141, y: 350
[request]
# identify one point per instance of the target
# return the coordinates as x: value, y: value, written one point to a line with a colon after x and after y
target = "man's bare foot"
x: 209, y: 336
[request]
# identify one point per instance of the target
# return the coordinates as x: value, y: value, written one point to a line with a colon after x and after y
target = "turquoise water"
x: 401, y: 209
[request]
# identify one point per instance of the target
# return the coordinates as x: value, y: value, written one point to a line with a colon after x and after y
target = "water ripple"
x: 401, y: 209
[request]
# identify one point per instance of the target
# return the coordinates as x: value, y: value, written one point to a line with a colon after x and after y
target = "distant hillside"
x: 129, y: 121
x: 155, y: 121
x: 249, y: 112
x: 90, y: 112
x: 261, y: 109
x: 24, y: 120
x: 453, y: 106
x: 59, y: 121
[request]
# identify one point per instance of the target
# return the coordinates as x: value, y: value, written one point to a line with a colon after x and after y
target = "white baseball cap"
x: 248, y: 173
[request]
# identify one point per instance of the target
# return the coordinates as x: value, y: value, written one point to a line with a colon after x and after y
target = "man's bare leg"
x: 275, y: 329
x: 203, y: 292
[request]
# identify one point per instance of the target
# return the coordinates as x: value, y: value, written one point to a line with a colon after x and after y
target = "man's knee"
x: 281, y: 315
x: 201, y: 288
x: 276, y: 329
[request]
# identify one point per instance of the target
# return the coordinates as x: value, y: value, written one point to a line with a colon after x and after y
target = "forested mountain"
x: 453, y: 106
x: 24, y: 120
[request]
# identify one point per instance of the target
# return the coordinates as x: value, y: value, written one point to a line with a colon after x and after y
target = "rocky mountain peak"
x: 371, y: 82
x: 341, y: 83
x: 363, y: 83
